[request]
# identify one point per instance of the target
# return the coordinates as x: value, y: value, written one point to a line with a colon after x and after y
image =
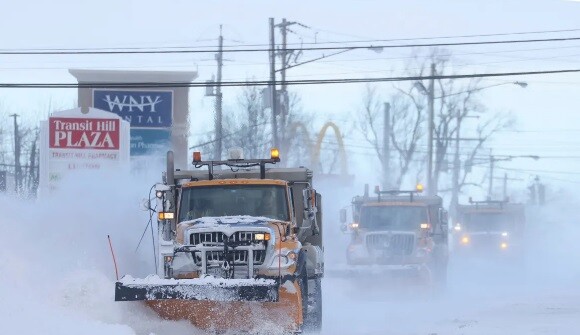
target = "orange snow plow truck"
x: 239, y: 247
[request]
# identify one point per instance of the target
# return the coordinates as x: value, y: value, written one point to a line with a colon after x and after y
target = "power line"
x: 192, y: 50
x: 541, y: 171
x: 301, y: 43
x: 357, y: 69
x: 290, y: 82
x: 440, y: 37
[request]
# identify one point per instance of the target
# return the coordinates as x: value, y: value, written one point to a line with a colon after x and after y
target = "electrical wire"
x: 369, y: 40
x: 289, y: 82
x: 438, y: 37
x: 540, y: 171
x: 150, y: 224
x: 226, y: 49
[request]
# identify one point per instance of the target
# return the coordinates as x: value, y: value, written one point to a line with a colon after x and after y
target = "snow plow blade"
x: 260, y: 290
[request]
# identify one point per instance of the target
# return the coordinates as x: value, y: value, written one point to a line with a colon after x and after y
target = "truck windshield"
x: 393, y: 217
x: 489, y: 222
x: 231, y: 200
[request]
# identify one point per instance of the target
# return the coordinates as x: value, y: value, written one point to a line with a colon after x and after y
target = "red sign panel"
x: 81, y: 133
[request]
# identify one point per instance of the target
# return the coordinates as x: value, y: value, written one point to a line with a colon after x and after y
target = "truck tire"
x: 313, y: 320
x: 302, y: 279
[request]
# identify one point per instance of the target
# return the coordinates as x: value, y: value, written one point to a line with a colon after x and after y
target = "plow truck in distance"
x: 239, y: 247
x: 398, y: 232
x: 490, y: 228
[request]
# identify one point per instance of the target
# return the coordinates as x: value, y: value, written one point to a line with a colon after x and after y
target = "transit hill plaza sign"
x: 82, y: 133
x: 73, y: 141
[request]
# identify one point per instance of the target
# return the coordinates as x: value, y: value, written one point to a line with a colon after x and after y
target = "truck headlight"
x: 465, y: 240
x: 503, y: 246
x: 504, y: 234
x: 262, y: 236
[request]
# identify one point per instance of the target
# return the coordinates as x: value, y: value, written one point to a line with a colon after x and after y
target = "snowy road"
x: 466, y: 308
x: 58, y: 279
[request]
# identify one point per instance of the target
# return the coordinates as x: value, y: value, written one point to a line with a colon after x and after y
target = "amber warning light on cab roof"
x: 197, y: 156
x: 274, y: 153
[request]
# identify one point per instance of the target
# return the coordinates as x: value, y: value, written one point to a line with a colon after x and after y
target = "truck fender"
x: 314, y: 260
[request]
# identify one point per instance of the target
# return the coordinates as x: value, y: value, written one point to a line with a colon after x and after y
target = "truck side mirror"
x: 314, y: 199
x: 343, y: 228
x: 145, y: 205
x: 309, y: 197
x: 343, y: 216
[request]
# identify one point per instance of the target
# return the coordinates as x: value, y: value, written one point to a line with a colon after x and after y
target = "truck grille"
x: 239, y: 257
x: 392, y: 244
x: 485, y: 241
x: 219, y: 237
x: 212, y: 237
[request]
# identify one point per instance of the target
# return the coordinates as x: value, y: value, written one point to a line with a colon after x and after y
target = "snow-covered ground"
x: 57, y: 275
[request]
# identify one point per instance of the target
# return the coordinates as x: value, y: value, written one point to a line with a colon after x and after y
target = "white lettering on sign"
x: 76, y: 133
x: 130, y: 102
x: 87, y: 140
x: 144, y: 120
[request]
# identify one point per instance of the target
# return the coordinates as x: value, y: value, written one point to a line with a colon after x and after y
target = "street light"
x: 521, y: 84
x: 493, y: 159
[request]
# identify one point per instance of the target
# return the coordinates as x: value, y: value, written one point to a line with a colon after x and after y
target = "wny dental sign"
x: 84, y: 133
x: 142, y: 109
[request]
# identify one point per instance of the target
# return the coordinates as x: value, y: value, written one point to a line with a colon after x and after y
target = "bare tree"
x: 249, y: 127
x: 454, y: 101
x: 406, y: 120
x: 251, y: 131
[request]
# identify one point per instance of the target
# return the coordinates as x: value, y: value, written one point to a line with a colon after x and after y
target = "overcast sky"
x: 547, y: 110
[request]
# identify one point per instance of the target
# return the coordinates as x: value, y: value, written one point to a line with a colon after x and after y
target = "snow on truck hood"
x: 220, y: 221
x: 226, y: 224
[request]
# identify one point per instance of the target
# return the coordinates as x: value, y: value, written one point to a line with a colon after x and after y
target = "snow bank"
x: 57, y: 271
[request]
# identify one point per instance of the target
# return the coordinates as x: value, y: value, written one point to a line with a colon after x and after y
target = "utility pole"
x: 386, y: 145
x: 493, y: 159
x: 505, y: 180
x: 431, y: 188
x: 284, y: 103
x: 456, y: 166
x: 17, y: 167
x: 284, y: 61
x: 218, y: 100
x: 33, y: 168
x: 491, y: 166
x: 273, y: 97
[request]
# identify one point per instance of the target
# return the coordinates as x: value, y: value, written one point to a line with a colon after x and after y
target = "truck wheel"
x: 313, y: 320
x: 302, y: 279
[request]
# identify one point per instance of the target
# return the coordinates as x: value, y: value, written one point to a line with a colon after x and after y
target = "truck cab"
x: 489, y: 228
x: 236, y: 236
x: 399, y: 230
